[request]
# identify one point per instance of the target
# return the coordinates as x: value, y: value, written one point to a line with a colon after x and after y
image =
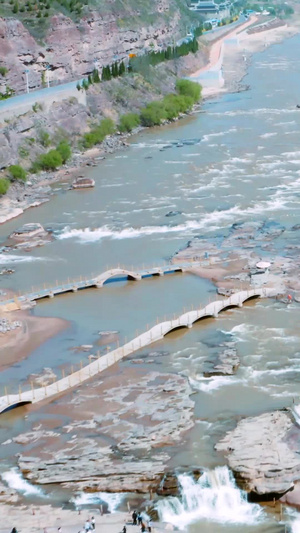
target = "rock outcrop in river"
x: 260, y: 453
x: 135, y: 416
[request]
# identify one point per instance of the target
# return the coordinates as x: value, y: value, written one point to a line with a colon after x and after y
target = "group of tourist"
x: 138, y: 520
x: 89, y: 525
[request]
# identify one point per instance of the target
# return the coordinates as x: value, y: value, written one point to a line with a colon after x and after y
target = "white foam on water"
x: 213, y: 497
x: 6, y: 259
x: 209, y: 136
x: 258, y: 111
x: 209, y: 385
x: 267, y: 135
x: 83, y: 499
x: 241, y: 331
x: 209, y: 221
x: 294, y: 521
x: 15, y: 481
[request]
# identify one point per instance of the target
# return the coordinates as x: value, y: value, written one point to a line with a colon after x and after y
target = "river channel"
x: 236, y: 160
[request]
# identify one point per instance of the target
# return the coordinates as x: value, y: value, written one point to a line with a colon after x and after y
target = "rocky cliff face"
x: 73, y: 49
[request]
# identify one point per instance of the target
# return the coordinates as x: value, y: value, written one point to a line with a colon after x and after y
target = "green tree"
x: 128, y: 122
x: 16, y: 8
x: 44, y: 138
x: 96, y: 77
x: 65, y: 150
x: 189, y: 88
x: 153, y: 114
x: 17, y: 172
x: 122, y: 68
x: 4, y: 185
x: 85, y: 84
x: 50, y: 161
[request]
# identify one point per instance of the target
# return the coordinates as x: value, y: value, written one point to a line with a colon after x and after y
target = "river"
x: 241, y: 162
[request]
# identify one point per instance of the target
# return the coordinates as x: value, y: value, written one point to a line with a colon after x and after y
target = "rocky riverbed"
x: 136, y: 417
x: 260, y: 454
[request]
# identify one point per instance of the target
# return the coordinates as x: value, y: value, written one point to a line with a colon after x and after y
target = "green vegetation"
x: 49, y: 161
x: 44, y: 138
x: 8, y: 93
x: 4, y: 185
x: 98, y: 133
x: 153, y: 114
x: 129, y: 121
x: 37, y: 107
x: 17, y: 172
x: 3, y: 71
x: 64, y: 149
x: 189, y: 88
x: 172, y: 105
x: 136, y: 64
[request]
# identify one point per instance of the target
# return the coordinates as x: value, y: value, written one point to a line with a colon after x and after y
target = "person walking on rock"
x: 149, y: 526
x: 93, y: 522
x: 134, y: 517
x: 139, y: 519
x: 87, y: 525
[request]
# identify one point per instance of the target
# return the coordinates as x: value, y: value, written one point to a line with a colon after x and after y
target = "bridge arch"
x: 253, y: 297
x: 176, y: 328
x: 115, y: 273
x: 203, y: 317
x: 14, y: 406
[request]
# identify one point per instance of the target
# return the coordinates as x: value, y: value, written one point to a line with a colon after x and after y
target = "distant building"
x: 205, y: 6
x: 209, y: 7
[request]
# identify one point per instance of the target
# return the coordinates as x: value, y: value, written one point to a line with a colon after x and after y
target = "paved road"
x: 30, y: 98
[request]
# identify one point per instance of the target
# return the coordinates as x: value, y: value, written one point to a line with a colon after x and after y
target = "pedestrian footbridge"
x: 101, y: 363
x: 98, y: 281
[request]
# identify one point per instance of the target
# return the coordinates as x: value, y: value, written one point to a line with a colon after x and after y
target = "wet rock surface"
x: 261, y: 455
x: 224, y: 363
x: 121, y: 443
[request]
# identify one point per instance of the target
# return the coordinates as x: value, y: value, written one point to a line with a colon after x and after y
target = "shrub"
x: 64, y: 149
x: 50, y: 161
x: 95, y: 75
x: 44, y: 138
x: 153, y: 114
x: 3, y: 71
x: 17, y: 172
x: 189, y: 88
x: 4, y: 185
x: 98, y: 133
x: 129, y: 121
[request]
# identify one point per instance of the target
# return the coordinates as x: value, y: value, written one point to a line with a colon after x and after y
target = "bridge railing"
x: 99, y: 362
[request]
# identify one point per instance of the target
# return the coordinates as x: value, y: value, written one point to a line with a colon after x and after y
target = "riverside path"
x: 156, y: 333
x: 98, y: 281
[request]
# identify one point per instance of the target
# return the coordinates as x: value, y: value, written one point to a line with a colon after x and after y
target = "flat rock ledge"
x: 225, y: 363
x: 259, y: 453
x: 133, y: 426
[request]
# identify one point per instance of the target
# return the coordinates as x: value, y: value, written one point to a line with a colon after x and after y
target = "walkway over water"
x: 156, y: 333
x: 98, y: 281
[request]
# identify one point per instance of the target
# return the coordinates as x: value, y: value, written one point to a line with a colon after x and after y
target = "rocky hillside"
x: 74, y: 37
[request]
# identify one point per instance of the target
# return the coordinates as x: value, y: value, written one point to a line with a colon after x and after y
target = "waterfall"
x: 213, y: 497
x: 15, y: 481
x: 112, y: 500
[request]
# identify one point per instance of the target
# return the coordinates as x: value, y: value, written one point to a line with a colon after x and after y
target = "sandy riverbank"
x: 18, y: 344
x: 236, y: 58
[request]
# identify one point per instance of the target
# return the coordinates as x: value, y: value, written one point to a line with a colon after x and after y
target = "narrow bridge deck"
x: 154, y: 334
x: 96, y: 281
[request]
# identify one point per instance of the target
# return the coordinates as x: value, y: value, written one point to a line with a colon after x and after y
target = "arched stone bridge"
x: 97, y: 281
x: 156, y: 333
